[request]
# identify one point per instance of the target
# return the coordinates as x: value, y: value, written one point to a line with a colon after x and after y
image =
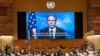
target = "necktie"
x: 51, y: 36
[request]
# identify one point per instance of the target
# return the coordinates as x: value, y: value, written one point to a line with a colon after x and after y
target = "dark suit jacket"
x: 45, y: 34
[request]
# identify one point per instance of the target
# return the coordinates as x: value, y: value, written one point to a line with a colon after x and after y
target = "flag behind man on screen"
x: 31, y: 25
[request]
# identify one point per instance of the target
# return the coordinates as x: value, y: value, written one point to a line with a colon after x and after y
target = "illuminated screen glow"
x: 37, y: 21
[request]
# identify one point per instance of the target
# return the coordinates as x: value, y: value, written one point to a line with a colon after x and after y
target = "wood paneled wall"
x: 94, y: 16
x: 6, y: 17
x: 48, y: 43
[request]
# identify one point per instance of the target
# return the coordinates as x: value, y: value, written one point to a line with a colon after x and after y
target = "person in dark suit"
x: 52, y: 31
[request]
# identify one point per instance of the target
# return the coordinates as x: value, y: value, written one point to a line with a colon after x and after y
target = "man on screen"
x: 52, y: 31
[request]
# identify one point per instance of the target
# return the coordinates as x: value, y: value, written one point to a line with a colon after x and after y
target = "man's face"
x: 51, y: 21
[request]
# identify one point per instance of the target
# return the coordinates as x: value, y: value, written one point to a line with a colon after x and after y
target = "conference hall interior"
x: 49, y: 27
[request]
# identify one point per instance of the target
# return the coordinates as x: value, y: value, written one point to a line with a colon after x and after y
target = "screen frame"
x: 22, y: 22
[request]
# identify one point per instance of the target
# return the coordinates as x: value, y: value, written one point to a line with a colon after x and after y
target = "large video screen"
x: 49, y: 25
